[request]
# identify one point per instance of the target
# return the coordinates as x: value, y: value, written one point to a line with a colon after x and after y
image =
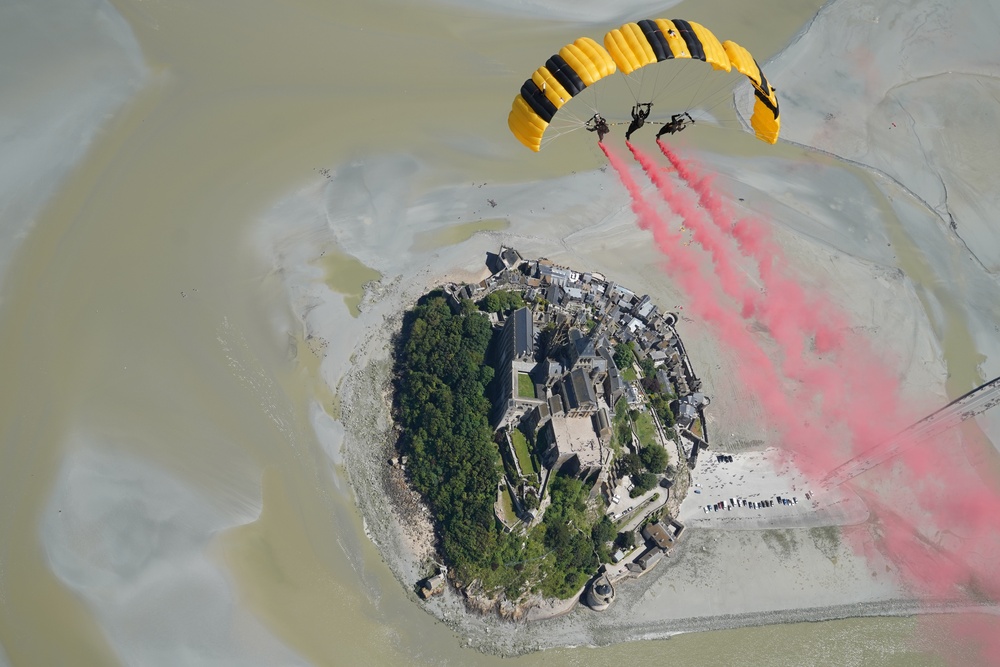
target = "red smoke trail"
x: 757, y: 370
x: 947, y: 545
x: 860, y: 389
x: 785, y: 324
x: 704, y: 234
x: 754, y: 242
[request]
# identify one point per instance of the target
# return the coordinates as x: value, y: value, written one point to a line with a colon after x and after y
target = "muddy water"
x: 140, y: 321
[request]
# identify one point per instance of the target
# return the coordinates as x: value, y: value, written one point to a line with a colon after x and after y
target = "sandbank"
x: 72, y: 66
x: 847, y: 231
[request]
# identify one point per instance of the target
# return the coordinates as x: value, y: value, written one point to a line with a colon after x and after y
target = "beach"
x: 208, y: 247
x: 843, y: 239
x: 808, y: 582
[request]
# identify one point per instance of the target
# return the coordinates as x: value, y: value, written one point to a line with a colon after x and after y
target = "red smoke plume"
x: 938, y: 526
x: 860, y: 389
x: 757, y: 370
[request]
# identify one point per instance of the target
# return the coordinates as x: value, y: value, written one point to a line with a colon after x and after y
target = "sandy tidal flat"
x: 194, y: 366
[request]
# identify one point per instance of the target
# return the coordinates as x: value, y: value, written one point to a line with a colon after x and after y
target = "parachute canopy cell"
x: 564, y: 75
x: 636, y: 45
x: 764, y: 120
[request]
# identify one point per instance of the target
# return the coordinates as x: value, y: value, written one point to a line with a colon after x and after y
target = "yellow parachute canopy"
x: 563, y: 76
x: 764, y: 119
x: 635, y: 45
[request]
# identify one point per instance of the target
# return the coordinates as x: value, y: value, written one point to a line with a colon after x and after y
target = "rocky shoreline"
x: 396, y: 519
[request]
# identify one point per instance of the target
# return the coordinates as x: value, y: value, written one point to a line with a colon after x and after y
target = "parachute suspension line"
x: 677, y: 72
x: 725, y: 98
x: 726, y: 83
x: 589, y: 98
x: 559, y: 130
x: 593, y: 95
x: 697, y: 90
x: 628, y: 78
x: 555, y: 133
x: 570, y: 118
x: 697, y: 83
x: 719, y: 124
x: 656, y: 85
x: 642, y: 82
x: 725, y: 123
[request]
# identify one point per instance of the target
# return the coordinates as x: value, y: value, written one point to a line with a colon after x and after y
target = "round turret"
x: 600, y: 593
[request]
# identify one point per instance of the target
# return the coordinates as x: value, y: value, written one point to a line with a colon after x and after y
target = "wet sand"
x: 159, y: 384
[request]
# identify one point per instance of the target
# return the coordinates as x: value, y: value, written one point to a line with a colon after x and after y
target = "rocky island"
x: 549, y: 420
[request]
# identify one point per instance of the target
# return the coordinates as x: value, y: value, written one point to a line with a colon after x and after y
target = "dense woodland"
x: 442, y: 411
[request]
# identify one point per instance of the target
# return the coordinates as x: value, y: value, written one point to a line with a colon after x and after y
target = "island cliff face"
x: 549, y: 419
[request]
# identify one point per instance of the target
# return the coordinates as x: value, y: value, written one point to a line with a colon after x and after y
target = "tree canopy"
x: 661, y: 404
x: 643, y: 482
x: 624, y: 355
x: 569, y: 534
x: 502, y: 301
x: 654, y: 457
x: 442, y: 412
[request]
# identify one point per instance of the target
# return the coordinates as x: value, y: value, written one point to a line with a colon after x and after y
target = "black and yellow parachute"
x: 628, y: 49
x: 564, y: 75
x: 635, y: 45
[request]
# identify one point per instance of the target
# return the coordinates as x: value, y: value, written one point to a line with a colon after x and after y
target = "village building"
x: 577, y: 392
x: 506, y: 259
x: 656, y: 533
x: 646, y: 559
x: 517, y: 359
x: 565, y: 393
x: 573, y: 446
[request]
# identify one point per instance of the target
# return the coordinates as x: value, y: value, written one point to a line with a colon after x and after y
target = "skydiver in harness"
x: 676, y: 123
x: 598, y: 124
x: 640, y: 112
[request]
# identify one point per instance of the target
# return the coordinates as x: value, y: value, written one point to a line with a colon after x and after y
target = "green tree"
x: 648, y: 367
x: 654, y: 458
x: 531, y: 501
x: 490, y: 303
x: 643, y: 482
x: 502, y: 301
x: 568, y: 538
x: 661, y: 405
x: 631, y: 464
x: 468, y: 307
x: 624, y: 355
x: 625, y: 540
x: 603, y: 531
x: 513, y: 300
x: 441, y: 410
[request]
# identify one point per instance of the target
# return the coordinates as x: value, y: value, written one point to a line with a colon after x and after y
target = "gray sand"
x: 163, y: 423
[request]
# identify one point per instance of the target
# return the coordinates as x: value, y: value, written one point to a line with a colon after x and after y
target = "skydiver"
x: 640, y: 112
x: 676, y: 123
x: 598, y: 124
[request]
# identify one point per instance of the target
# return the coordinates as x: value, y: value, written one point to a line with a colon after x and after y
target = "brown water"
x: 138, y: 317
